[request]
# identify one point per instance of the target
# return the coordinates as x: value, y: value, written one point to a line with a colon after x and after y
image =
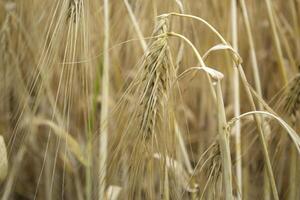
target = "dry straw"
x: 3, y: 160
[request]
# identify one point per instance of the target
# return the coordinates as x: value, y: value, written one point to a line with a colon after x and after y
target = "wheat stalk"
x: 104, y: 109
x: 236, y: 100
x: 3, y: 160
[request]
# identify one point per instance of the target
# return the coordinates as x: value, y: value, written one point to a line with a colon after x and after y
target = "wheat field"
x: 149, y: 99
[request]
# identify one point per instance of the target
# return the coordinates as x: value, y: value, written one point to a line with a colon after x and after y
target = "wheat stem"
x: 104, y: 106
x: 263, y: 142
x: 3, y: 160
x: 276, y: 40
x: 236, y: 100
x: 136, y: 25
x: 224, y: 143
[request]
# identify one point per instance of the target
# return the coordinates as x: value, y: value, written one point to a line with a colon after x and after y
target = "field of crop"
x: 149, y: 99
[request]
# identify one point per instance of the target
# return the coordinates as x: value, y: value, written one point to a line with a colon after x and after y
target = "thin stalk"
x: 255, y: 71
x: 258, y: 121
x: 166, y: 184
x: 104, y: 106
x: 224, y: 143
x: 266, y: 185
x: 293, y: 174
x: 236, y: 100
x: 183, y: 148
x: 276, y: 41
x: 3, y: 160
x: 252, y: 49
x: 293, y: 181
x: 136, y: 25
x: 286, y: 44
x: 47, y: 175
x: 293, y: 7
